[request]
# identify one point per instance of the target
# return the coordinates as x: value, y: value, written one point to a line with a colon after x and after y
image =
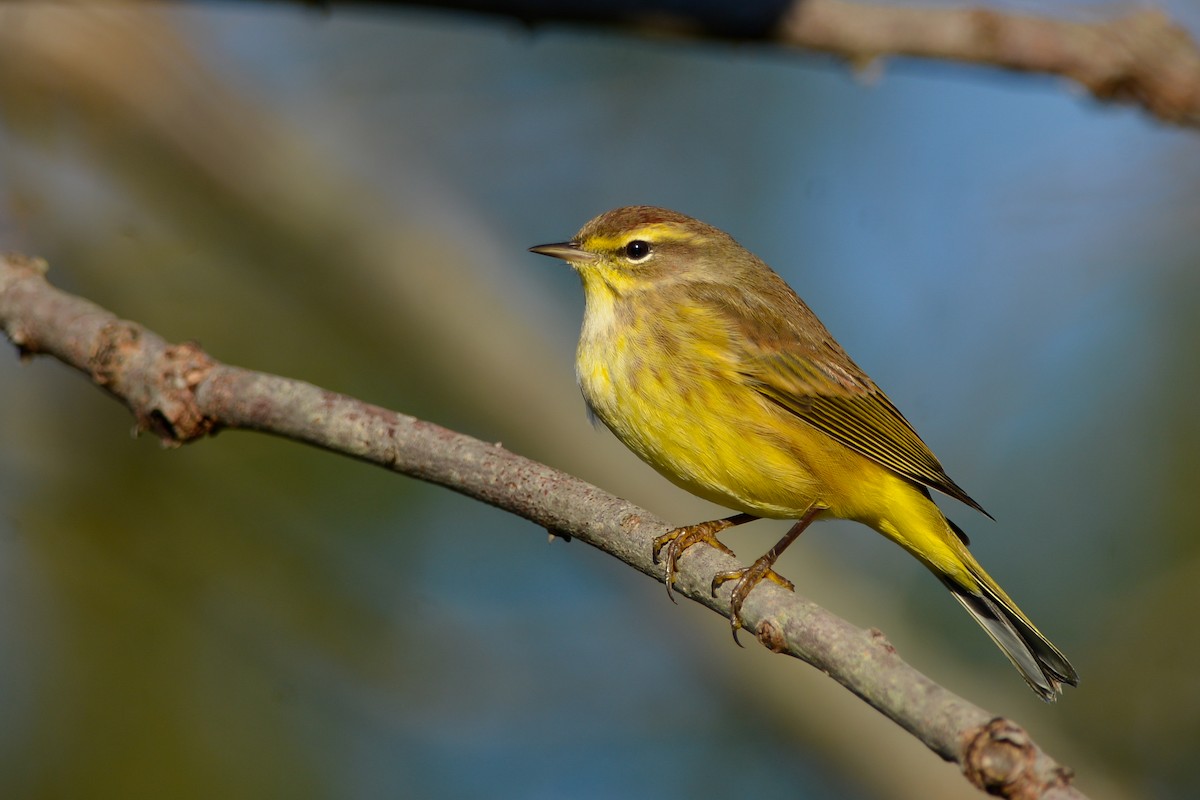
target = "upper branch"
x: 182, y: 394
x: 1140, y: 58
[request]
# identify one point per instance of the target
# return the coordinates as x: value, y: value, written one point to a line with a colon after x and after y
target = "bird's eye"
x: 637, y: 250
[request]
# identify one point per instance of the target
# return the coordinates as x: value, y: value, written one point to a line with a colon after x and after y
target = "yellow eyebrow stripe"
x: 654, y: 233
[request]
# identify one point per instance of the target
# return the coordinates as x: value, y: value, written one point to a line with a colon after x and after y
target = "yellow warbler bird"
x: 704, y: 363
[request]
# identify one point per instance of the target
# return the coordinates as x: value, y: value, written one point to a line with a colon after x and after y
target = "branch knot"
x: 155, y: 379
x: 1000, y: 759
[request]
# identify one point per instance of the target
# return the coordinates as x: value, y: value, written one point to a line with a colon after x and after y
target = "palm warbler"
x: 704, y: 363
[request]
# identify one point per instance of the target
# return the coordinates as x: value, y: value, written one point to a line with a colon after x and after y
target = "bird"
x: 709, y: 367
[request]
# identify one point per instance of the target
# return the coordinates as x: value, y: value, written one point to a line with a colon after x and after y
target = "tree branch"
x: 182, y: 394
x: 1141, y: 58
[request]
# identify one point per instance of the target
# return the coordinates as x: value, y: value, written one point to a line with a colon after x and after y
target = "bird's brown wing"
x: 825, y: 389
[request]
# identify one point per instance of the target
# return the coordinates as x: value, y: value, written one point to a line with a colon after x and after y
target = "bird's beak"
x: 570, y: 252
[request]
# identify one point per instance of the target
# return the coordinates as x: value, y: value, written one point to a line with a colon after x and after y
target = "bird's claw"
x: 676, y: 541
x: 746, y: 579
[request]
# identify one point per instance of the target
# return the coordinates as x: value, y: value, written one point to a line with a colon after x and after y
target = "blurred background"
x: 346, y: 198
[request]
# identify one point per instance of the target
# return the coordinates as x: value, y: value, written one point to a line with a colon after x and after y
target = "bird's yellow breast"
x: 666, y: 383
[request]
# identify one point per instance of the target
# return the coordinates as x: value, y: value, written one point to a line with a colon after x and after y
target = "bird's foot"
x: 746, y: 579
x: 670, y: 546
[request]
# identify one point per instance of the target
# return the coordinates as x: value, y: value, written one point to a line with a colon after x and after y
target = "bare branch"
x: 1141, y: 58
x: 182, y: 394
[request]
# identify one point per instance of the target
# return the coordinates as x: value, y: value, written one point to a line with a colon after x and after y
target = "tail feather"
x: 1044, y: 668
x: 922, y: 529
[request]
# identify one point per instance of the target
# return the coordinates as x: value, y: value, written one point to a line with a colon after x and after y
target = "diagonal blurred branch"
x: 182, y: 394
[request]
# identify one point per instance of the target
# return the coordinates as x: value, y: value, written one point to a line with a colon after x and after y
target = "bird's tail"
x: 1044, y: 668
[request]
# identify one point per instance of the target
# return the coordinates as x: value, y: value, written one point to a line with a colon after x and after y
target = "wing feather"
x: 791, y: 359
x: 854, y: 412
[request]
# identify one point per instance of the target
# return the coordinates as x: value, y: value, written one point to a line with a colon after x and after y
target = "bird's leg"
x: 760, y: 570
x: 681, y: 539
